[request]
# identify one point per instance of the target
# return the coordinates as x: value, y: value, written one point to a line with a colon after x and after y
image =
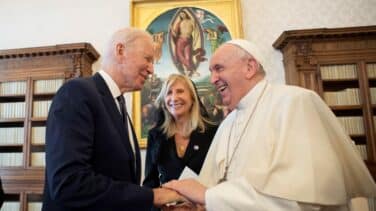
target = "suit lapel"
x: 113, y: 111
x: 194, y: 145
x: 137, y: 154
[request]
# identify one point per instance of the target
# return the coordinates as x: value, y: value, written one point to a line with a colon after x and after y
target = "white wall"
x: 25, y: 23
x: 265, y: 20
x: 30, y: 23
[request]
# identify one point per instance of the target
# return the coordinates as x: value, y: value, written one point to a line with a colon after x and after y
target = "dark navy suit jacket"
x: 89, y: 160
x: 1, y: 194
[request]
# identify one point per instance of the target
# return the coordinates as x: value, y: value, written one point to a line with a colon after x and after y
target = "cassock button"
x: 196, y: 147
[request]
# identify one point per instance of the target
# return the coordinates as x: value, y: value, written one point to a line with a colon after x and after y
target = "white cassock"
x: 292, y: 154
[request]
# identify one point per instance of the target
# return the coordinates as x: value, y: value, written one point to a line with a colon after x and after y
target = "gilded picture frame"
x: 210, y: 23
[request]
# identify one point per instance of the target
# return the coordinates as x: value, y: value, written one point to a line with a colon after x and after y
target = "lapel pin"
x: 196, y: 147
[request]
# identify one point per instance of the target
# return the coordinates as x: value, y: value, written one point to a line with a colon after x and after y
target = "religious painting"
x: 185, y: 35
x: 186, y: 42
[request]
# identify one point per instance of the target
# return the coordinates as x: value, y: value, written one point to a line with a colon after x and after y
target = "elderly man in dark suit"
x: 92, y: 154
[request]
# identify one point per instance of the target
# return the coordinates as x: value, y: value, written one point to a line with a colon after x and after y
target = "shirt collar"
x: 251, y: 97
x: 114, y: 89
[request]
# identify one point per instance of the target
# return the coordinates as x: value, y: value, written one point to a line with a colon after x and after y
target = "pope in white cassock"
x: 281, y: 147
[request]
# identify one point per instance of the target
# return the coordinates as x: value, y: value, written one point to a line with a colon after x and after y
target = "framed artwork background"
x: 210, y: 23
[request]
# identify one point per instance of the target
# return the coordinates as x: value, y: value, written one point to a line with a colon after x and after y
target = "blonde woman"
x: 183, y: 133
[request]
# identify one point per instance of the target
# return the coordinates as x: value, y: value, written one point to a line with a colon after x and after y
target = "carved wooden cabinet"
x: 29, y: 78
x: 340, y: 65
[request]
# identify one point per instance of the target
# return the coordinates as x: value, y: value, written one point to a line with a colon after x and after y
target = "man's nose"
x: 150, y: 68
x: 213, y: 77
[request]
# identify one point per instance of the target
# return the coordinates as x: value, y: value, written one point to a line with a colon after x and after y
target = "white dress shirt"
x: 115, y: 92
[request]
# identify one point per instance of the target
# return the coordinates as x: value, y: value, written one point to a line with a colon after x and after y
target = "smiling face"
x: 135, y: 63
x: 231, y: 72
x: 178, y: 100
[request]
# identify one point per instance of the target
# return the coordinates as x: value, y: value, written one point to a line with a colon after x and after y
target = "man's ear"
x: 252, y: 67
x: 119, y: 50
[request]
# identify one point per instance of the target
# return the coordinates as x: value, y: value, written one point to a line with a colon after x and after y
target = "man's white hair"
x: 126, y: 36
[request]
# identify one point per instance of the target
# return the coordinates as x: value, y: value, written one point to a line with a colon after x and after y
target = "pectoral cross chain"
x: 229, y: 158
x: 224, y: 178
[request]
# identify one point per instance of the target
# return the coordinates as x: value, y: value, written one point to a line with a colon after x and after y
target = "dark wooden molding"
x: 83, y: 48
x: 323, y: 33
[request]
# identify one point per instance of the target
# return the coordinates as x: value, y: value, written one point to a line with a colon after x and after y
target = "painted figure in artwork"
x: 158, y: 40
x: 186, y: 37
x: 215, y: 36
x: 204, y: 18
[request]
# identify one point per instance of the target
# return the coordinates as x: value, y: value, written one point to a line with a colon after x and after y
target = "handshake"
x: 187, y: 194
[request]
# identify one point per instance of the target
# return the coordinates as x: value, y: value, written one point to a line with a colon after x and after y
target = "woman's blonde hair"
x: 196, y: 121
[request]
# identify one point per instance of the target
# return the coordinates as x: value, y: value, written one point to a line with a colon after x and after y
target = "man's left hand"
x: 189, y: 188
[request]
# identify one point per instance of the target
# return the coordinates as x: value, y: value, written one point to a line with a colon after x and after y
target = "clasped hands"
x: 187, y: 194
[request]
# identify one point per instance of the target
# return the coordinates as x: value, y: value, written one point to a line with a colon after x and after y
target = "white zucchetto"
x: 250, y: 47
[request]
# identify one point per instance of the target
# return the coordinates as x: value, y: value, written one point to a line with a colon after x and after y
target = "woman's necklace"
x: 181, y: 143
x: 228, y: 158
x: 181, y: 151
